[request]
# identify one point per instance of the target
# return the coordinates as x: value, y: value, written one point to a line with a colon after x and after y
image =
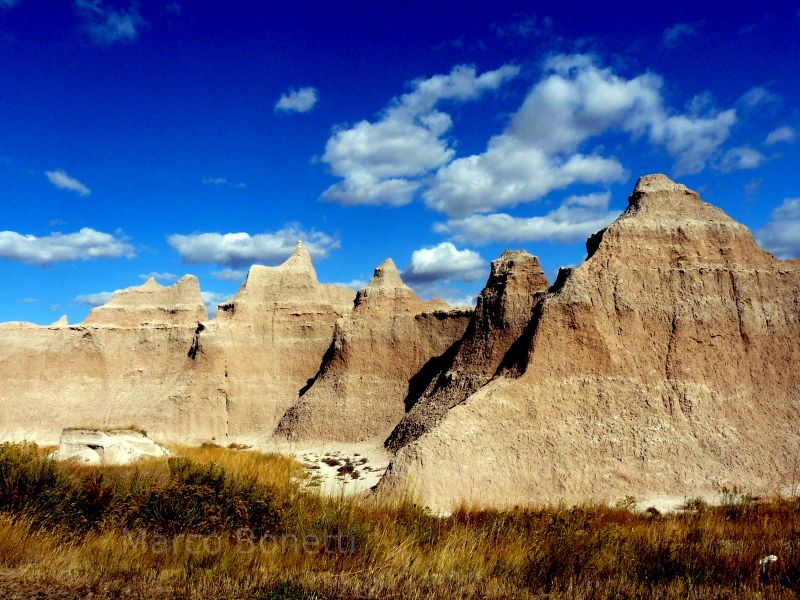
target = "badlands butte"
x: 667, y: 364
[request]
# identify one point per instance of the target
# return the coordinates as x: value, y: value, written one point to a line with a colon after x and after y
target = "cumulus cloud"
x: 85, y: 244
x: 741, y: 158
x: 165, y: 277
x: 575, y: 101
x: 223, y: 181
x: 780, y: 135
x: 673, y: 35
x: 781, y: 235
x: 297, y: 100
x: 444, y: 262
x: 107, y: 26
x: 380, y: 162
x: 96, y: 299
x: 510, y: 172
x: 228, y: 274
x: 574, y: 220
x: 63, y: 181
x: 242, y: 249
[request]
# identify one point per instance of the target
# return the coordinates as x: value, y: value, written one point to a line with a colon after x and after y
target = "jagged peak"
x: 61, y: 322
x: 300, y: 260
x: 657, y: 182
x: 386, y: 275
x: 151, y: 283
x: 511, y: 259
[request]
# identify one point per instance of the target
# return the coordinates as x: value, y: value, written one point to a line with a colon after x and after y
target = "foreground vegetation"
x: 224, y: 523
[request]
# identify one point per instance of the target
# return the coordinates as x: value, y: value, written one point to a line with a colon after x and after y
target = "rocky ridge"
x: 504, y: 308
x: 666, y: 363
x: 360, y: 390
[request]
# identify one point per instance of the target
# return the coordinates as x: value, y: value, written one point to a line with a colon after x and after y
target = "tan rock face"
x: 265, y: 345
x: 360, y: 390
x: 665, y: 364
x: 151, y: 358
x: 504, y: 309
x: 153, y: 304
x: 126, y: 364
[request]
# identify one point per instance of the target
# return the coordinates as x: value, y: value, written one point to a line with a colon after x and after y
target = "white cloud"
x: 85, y: 244
x: 781, y: 235
x: 758, y: 96
x: 741, y: 158
x: 229, y: 274
x: 693, y: 139
x: 223, y: 181
x: 299, y: 101
x: 165, y: 277
x: 510, y: 172
x: 673, y: 35
x: 575, y: 219
x: 575, y: 101
x: 107, y: 26
x: 63, y: 181
x: 97, y: 299
x: 212, y: 300
x: 242, y: 249
x: 381, y: 162
x: 444, y: 262
x: 779, y: 135
x: 354, y: 284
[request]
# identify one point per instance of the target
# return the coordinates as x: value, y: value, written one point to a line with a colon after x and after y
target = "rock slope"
x: 505, y: 306
x: 360, y: 390
x: 265, y: 345
x: 665, y: 364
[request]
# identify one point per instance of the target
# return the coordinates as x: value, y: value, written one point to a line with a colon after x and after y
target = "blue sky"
x: 177, y: 137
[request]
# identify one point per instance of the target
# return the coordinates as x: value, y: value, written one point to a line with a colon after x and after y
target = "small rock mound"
x: 107, y: 446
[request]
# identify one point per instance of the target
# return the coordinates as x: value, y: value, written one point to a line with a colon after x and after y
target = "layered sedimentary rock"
x: 360, y: 390
x: 126, y: 364
x: 152, y: 304
x: 265, y: 345
x: 505, y: 306
x: 665, y: 364
x: 150, y: 357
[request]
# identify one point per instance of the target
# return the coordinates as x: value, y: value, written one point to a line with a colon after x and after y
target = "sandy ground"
x: 336, y: 467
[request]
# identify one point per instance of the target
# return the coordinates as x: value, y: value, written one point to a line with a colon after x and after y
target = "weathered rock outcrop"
x: 505, y: 307
x: 665, y: 364
x: 152, y: 304
x: 265, y: 344
x: 118, y: 446
x: 126, y: 363
x: 150, y: 357
x: 359, y: 392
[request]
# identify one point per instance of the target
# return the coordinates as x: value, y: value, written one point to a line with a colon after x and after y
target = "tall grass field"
x: 216, y: 523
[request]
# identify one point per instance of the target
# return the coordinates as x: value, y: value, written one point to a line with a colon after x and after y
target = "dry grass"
x: 379, y: 550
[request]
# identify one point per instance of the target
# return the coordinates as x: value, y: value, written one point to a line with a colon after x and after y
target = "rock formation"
x: 107, y: 446
x: 126, y: 363
x: 265, y: 344
x: 665, y: 364
x: 153, y: 304
x: 150, y: 356
x: 359, y: 392
x: 504, y: 309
